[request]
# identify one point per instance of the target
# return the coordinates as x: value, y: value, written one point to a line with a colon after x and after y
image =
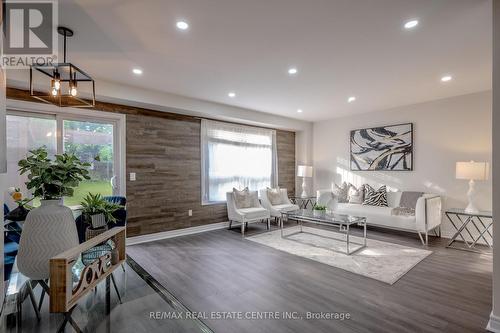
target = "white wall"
x: 494, y: 323
x: 445, y: 131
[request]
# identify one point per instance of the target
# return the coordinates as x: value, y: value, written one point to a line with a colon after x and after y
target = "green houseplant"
x: 53, y: 179
x: 51, y: 226
x: 94, y: 207
x: 319, y: 209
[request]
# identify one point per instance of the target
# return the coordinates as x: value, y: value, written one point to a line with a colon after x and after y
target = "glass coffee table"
x: 340, y: 221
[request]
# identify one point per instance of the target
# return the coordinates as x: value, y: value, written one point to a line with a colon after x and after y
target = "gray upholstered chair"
x: 255, y: 213
x: 285, y: 205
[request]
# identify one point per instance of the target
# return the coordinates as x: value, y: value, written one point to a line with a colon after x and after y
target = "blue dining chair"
x: 11, y: 246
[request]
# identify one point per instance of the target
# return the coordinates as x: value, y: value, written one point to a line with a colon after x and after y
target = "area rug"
x: 379, y: 260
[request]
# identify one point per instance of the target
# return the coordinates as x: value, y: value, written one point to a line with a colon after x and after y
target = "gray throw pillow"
x: 356, y: 195
x: 341, y: 192
x: 242, y: 199
x: 274, y: 196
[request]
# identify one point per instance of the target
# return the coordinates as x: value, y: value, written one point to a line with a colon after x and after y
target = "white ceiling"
x: 340, y: 47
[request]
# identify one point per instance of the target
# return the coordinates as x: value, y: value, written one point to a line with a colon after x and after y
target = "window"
x: 87, y: 140
x: 25, y: 133
x: 236, y: 156
x: 86, y: 137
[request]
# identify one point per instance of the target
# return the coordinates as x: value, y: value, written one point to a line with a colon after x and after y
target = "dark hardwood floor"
x: 449, y: 291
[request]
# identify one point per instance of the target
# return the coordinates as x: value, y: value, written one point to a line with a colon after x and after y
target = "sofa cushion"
x: 341, y: 192
x: 242, y: 199
x: 375, y: 198
x: 274, y: 196
x: 378, y: 216
x: 286, y: 207
x: 393, y: 198
x: 254, y: 212
x: 356, y: 195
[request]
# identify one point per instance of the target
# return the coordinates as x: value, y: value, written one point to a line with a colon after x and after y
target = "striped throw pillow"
x: 375, y: 198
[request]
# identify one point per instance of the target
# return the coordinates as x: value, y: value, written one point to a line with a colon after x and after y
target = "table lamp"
x: 472, y: 171
x: 304, y: 171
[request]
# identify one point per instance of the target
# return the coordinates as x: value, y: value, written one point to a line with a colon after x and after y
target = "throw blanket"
x: 407, y: 204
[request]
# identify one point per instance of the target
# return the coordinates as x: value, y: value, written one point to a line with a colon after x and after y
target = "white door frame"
x: 118, y: 119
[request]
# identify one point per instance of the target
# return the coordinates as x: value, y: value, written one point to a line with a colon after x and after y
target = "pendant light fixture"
x: 65, y: 81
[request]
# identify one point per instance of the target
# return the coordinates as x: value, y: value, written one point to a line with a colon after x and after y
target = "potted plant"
x: 318, y: 210
x: 50, y: 228
x: 97, y: 213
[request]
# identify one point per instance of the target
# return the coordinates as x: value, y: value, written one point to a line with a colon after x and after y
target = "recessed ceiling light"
x: 446, y: 78
x: 292, y: 71
x: 351, y: 99
x: 411, y: 24
x: 182, y: 25
x: 232, y: 94
x: 299, y: 110
x: 137, y: 71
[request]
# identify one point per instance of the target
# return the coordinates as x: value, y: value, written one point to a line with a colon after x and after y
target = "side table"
x: 303, y: 202
x: 471, y: 228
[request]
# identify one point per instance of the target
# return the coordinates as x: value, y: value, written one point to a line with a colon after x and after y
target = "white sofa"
x: 427, y: 213
x: 275, y: 210
x: 256, y: 213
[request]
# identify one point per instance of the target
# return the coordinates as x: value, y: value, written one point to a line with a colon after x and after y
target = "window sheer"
x: 236, y: 156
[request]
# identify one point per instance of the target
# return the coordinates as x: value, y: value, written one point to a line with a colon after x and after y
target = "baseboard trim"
x: 176, y: 233
x: 493, y: 324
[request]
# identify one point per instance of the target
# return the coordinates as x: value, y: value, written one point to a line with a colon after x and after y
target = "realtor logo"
x: 29, y: 33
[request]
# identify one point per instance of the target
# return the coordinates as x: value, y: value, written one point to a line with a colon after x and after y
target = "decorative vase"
x: 98, y: 220
x: 48, y: 230
x: 317, y: 212
x: 92, y: 232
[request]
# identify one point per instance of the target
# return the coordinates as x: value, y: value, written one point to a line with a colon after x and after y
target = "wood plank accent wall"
x: 163, y: 149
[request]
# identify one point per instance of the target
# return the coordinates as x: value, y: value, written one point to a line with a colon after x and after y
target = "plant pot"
x: 92, y: 232
x: 318, y: 212
x: 48, y: 231
x: 98, y: 220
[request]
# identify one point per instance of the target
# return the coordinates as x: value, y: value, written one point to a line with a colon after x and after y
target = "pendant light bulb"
x: 57, y: 80
x: 72, y: 87
x: 53, y: 89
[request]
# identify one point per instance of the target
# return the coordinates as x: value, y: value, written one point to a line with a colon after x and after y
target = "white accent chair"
x: 285, y: 206
x: 256, y: 213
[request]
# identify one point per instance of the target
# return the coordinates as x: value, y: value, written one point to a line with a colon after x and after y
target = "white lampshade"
x: 304, y: 171
x: 472, y: 170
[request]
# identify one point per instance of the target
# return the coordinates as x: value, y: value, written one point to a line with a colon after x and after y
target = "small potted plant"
x: 319, y: 210
x: 97, y: 213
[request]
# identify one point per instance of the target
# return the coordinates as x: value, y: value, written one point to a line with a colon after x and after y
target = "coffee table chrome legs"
x: 343, y: 228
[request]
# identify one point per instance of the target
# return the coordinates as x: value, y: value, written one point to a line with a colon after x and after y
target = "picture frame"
x: 382, y: 148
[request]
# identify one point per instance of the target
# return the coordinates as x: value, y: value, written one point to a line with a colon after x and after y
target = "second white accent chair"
x: 255, y: 213
x: 284, y: 205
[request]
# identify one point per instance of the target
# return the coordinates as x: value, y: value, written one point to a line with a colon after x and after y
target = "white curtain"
x: 236, y: 156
